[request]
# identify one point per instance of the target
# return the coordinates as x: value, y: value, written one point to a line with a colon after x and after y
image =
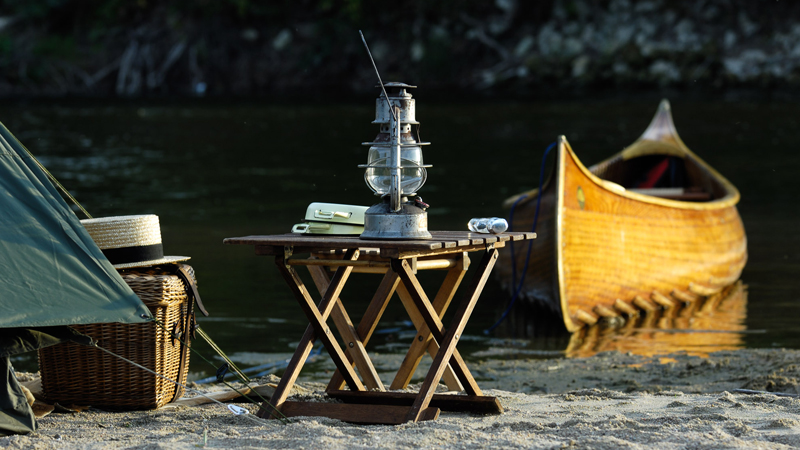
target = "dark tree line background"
x: 510, y: 47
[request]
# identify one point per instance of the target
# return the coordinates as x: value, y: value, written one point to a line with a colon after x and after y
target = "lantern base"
x: 380, y: 222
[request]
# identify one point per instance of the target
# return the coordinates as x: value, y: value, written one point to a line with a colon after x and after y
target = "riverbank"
x: 610, y: 400
x: 506, y: 47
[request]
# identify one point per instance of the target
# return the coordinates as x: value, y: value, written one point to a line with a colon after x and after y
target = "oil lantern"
x: 395, y: 171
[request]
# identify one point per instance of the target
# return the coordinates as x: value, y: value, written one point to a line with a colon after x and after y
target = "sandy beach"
x: 607, y: 401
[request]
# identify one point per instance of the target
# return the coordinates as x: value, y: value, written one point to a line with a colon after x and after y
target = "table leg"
x: 424, y: 339
x: 416, y: 301
x: 453, y: 333
x: 370, y: 319
x: 290, y: 374
x: 316, y: 328
x: 356, y: 351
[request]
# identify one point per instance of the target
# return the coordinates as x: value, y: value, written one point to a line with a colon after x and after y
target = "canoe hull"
x: 598, y: 245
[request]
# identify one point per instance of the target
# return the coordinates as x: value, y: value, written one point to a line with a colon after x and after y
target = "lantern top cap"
x: 396, y: 84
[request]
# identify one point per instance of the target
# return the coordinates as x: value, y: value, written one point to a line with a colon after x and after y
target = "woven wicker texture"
x: 80, y: 375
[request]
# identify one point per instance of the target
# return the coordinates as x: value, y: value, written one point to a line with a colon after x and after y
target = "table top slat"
x: 439, y: 240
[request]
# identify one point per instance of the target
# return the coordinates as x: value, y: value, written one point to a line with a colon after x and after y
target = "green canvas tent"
x: 51, y: 273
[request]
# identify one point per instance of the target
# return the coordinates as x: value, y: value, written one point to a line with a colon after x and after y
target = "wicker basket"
x: 80, y: 375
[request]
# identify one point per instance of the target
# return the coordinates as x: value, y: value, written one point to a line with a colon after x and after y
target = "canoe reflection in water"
x: 695, y: 328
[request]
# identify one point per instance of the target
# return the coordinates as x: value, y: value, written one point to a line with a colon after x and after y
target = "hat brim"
x: 154, y: 262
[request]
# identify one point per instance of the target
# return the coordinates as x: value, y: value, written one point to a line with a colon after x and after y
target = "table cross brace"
x: 356, y: 353
x: 416, y: 301
x: 424, y: 339
x: 447, y: 338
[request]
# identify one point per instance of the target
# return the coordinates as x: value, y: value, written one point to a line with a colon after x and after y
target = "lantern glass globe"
x: 378, y: 173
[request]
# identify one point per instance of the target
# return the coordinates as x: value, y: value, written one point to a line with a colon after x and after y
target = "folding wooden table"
x: 367, y: 400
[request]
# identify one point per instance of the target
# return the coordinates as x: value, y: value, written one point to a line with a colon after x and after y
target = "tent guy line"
x: 249, y: 416
x: 220, y: 372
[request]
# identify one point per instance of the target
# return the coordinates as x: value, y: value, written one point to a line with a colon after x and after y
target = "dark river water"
x: 213, y: 170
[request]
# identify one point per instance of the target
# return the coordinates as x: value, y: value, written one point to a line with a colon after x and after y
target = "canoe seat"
x: 685, y: 194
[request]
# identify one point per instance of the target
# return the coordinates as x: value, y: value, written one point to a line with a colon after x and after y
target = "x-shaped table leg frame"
x: 447, y: 338
x: 317, y: 328
x: 418, y: 305
x: 357, y: 339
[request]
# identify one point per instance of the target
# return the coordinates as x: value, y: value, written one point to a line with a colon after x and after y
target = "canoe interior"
x: 663, y: 176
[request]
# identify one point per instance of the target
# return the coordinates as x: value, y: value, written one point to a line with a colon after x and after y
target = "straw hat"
x: 130, y: 241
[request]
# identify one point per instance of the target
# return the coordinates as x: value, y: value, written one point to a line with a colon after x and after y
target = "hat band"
x: 125, y: 255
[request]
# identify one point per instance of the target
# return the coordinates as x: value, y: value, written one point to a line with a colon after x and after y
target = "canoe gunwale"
x: 563, y: 149
x: 660, y: 138
x: 731, y: 198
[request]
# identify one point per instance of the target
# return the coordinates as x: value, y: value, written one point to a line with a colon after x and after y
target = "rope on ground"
x: 275, y: 411
x: 236, y: 411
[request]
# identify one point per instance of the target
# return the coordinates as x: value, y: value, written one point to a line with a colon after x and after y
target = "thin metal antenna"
x: 377, y: 73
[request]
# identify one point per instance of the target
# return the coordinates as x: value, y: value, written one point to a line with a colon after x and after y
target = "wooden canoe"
x: 648, y: 228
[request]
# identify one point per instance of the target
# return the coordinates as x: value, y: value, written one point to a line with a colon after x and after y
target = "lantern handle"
x: 385, y: 95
